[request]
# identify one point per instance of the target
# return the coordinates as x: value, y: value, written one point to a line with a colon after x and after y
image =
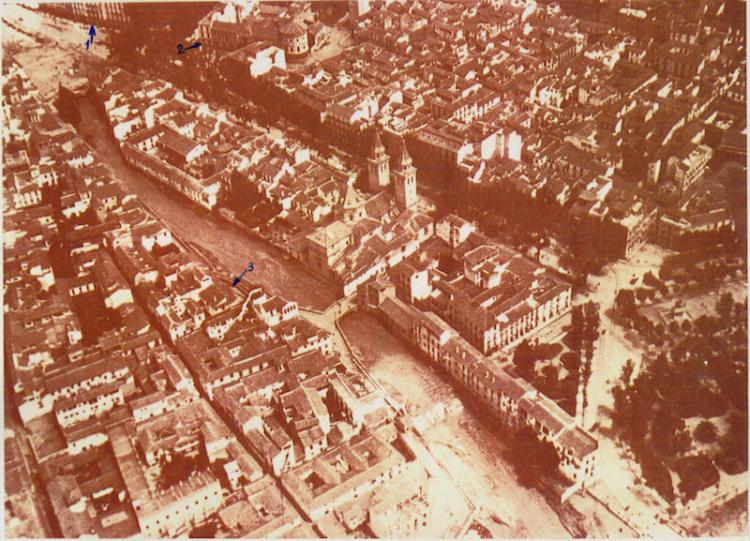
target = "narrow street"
x: 613, y: 349
x: 41, y: 509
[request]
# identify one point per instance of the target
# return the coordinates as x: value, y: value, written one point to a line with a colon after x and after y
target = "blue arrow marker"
x: 237, y: 280
x: 90, y: 41
x: 181, y: 49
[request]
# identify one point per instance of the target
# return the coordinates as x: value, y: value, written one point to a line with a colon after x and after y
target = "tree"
x: 627, y: 372
x: 547, y: 351
x: 576, y: 316
x: 67, y: 106
x: 642, y: 395
x: 566, y: 391
x: 551, y: 377
x: 706, y: 325
x: 591, y: 322
x: 621, y: 410
x: 536, y: 459
x: 574, y: 337
x: 705, y: 432
x: 652, y: 281
x: 740, y: 310
x: 589, y: 336
x: 656, y: 475
x: 642, y: 294
x: 243, y: 194
x: 730, y: 372
x: 660, y: 369
x: 571, y: 360
x: 590, y: 328
x: 179, y: 468
x: 708, y: 402
x: 738, y: 427
x: 696, y: 473
x: 524, y: 359
x: 668, y: 433
x: 733, y: 455
x: 625, y: 302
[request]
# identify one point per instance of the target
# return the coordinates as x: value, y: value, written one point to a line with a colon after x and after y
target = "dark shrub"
x: 571, y: 360
x: 696, y: 473
x: 657, y: 476
x: 705, y: 432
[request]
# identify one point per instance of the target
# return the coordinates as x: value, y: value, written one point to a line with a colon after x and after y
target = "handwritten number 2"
x: 180, y: 49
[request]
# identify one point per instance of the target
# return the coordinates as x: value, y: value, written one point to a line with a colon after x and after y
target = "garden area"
x: 684, y: 415
x: 556, y: 371
x: 249, y: 205
x: 175, y: 468
x: 666, y: 302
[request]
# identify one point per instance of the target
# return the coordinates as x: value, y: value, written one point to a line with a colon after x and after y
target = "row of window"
x: 91, y: 383
x: 499, y: 400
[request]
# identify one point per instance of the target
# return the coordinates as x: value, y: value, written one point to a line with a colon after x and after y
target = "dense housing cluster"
x: 157, y: 396
x: 607, y: 125
x: 455, y: 168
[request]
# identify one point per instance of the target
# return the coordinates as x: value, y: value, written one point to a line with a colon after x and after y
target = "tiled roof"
x: 176, y: 142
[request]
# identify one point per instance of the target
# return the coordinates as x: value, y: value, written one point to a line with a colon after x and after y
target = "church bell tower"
x: 378, y: 174
x: 405, y: 180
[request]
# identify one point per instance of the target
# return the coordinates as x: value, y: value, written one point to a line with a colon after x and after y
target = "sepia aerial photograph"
x: 443, y: 269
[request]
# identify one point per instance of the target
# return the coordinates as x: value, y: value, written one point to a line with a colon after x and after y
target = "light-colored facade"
x: 513, y: 400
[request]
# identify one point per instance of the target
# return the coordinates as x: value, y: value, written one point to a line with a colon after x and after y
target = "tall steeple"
x: 353, y: 205
x: 405, y: 180
x: 377, y: 144
x: 404, y: 159
x: 378, y: 174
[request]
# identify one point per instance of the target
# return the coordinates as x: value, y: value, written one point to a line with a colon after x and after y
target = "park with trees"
x: 684, y: 413
x: 557, y: 373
